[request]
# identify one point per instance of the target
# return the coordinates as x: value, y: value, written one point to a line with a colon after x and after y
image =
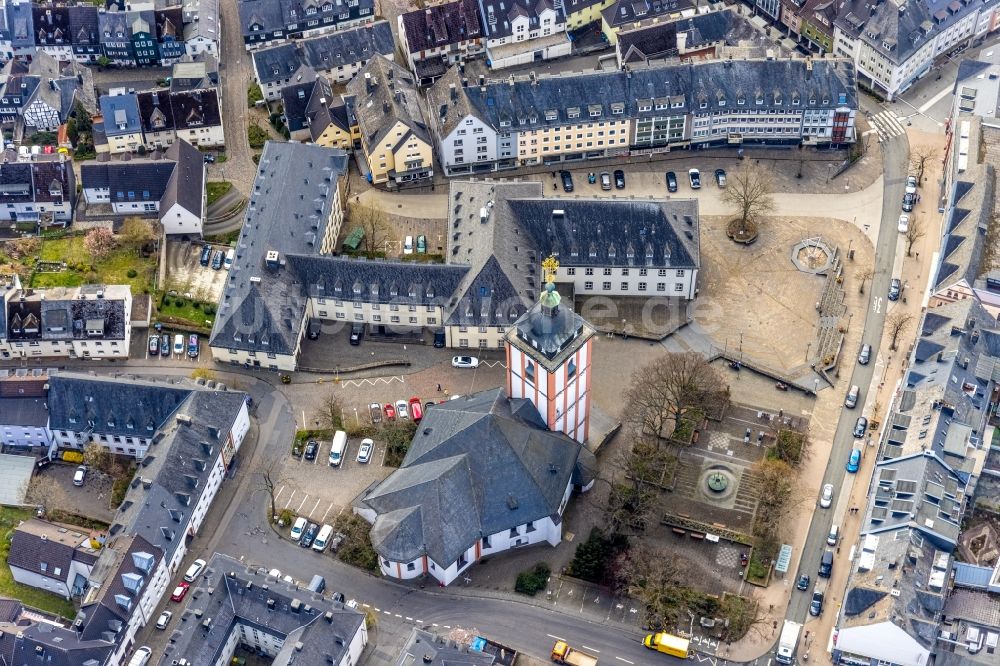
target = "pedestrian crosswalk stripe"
x: 887, y: 124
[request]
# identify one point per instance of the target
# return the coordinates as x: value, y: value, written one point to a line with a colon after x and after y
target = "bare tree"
x: 47, y: 493
x: 330, y: 413
x: 664, y: 391
x: 374, y: 222
x: 897, y: 322
x: 655, y: 581
x: 633, y: 494
x: 136, y: 232
x: 748, y: 190
x: 863, y: 275
x: 99, y: 457
x: 919, y: 157
x: 914, y: 232
x: 267, y: 477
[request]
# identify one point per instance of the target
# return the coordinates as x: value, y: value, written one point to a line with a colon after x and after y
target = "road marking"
x: 587, y: 647
x: 447, y: 626
x: 372, y: 382
x: 399, y: 616
x: 304, y: 420
x: 290, y: 498
x: 299, y: 510
x: 434, y: 624
x: 888, y: 125
x: 409, y: 619
x: 877, y: 304
x: 625, y: 660
x: 278, y: 494
x: 556, y: 638
x: 315, y: 506
x: 934, y: 100
x: 420, y: 621
x: 389, y: 613
x: 323, y: 519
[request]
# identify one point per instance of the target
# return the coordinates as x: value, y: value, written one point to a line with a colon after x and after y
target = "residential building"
x: 40, y: 189
x: 193, y: 116
x: 170, y: 188
x: 40, y: 95
x: 170, y: 35
x: 270, y: 22
x: 894, y: 44
x: 816, y: 18
x: 52, y: 30
x: 396, y: 145
x: 572, y: 118
x: 435, y: 37
x: 338, y: 56
x: 20, y: 23
x: 26, y: 633
x: 448, y: 477
x: 129, y: 38
x: 23, y: 423
x: 53, y: 557
x: 202, y: 28
x: 519, y: 32
x: 269, y: 617
x: 122, y: 123
x: 328, y: 119
x: 623, y: 15
x: 91, y: 321
x: 580, y: 13
x: 424, y: 647
x: 84, y: 33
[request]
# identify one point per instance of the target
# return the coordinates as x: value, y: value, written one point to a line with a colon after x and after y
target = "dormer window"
x: 759, y: 100
x: 551, y: 114
x: 703, y: 104
x: 677, y: 104
x: 645, y: 106
x: 617, y: 109
x: 741, y: 100
x: 812, y: 101
x: 594, y: 110
x: 795, y: 101
x: 573, y: 112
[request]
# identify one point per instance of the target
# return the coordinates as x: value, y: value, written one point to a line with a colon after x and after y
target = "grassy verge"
x: 227, y: 238
x: 217, y: 190
x: 31, y: 596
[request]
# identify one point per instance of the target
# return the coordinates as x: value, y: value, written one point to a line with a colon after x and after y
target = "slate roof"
x: 294, y: 100
x: 30, y: 412
x: 121, y: 114
x: 553, y: 100
x: 496, y: 15
x: 441, y: 25
x: 83, y: 25
x: 41, y: 181
x: 313, y: 629
x: 20, y: 22
x: 207, y: 25
x: 199, y: 108
x: 389, y: 95
x: 276, y: 62
x: 472, y: 469
x: 145, y: 179
x: 67, y: 313
x: 187, y: 181
x: 284, y: 191
x: 274, y: 15
x: 23, y: 644
x: 624, y: 12
x: 155, y: 111
x: 52, y: 24
x: 661, y: 39
x: 38, y: 542
x: 423, y: 647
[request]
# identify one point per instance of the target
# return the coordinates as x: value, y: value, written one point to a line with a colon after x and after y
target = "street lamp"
x: 357, y: 421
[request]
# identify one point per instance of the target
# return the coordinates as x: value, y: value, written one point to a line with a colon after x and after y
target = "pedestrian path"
x: 887, y: 124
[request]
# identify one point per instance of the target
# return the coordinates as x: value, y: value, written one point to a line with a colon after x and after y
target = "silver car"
x: 826, y: 498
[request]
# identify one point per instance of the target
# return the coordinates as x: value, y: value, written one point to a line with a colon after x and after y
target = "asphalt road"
x: 895, y: 166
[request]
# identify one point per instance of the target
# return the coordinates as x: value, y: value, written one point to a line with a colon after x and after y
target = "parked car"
x: 209, y: 159
x: 375, y: 410
x: 365, y: 450
x: 80, y: 475
x: 164, y: 619
x: 154, y: 344
x: 312, y: 448
x: 408, y: 245
x: 464, y: 362
x: 860, y: 426
x: 314, y: 328
x: 191, y: 575
x: 178, y: 344
x: 567, y: 181
x: 695, y: 177
x: 390, y: 412
x: 909, y: 201
x: 416, y: 413
x: 826, y: 564
x: 619, y: 179
x: 911, y: 185
x: 865, y: 355
x: 401, y: 412
x: 165, y: 344
x: 720, y: 177
x: 826, y: 498
x: 854, y: 461
x: 217, y: 259
x: 904, y: 223
x: 803, y: 583
x: 671, y: 181
x: 298, y: 527
x: 895, y: 287
x: 605, y: 180
x: 180, y: 591
x: 193, y: 345
x: 357, y: 333
x: 421, y: 244
x: 816, y: 606
x: 309, y: 535
x: 439, y: 338
x: 206, y: 254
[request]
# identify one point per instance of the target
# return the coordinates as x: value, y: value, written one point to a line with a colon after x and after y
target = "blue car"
x: 854, y: 461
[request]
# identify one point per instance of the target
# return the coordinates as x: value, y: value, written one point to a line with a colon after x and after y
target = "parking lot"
x: 141, y: 347
x: 188, y: 277
x: 92, y: 499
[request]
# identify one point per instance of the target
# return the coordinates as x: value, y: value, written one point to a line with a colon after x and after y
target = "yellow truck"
x: 666, y: 643
x: 562, y: 653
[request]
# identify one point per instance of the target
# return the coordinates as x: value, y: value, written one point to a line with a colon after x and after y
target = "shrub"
x: 132, y: 273
x: 532, y: 581
x: 286, y: 517
x: 196, y: 305
x: 166, y: 302
x: 593, y: 556
x: 73, y: 456
x: 257, y: 136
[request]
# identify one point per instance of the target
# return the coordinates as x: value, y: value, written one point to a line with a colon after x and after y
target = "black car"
x: 217, y: 259
x: 439, y: 338
x: 312, y: 447
x: 816, y: 607
x: 206, y: 254
x: 313, y: 329
x: 619, y: 179
x: 357, y: 332
x: 860, y: 426
x: 209, y: 159
x: 309, y: 535
x: 909, y: 201
x: 803, y: 583
x: 165, y: 344
x: 567, y: 180
x: 895, y: 287
x: 671, y: 181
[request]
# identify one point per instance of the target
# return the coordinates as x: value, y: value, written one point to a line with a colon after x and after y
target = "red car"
x: 389, y: 411
x: 416, y: 413
x: 180, y: 591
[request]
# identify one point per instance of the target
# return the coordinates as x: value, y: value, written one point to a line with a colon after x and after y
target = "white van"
x: 194, y: 570
x: 141, y: 657
x: 323, y: 538
x: 298, y: 528
x: 834, y: 536
x: 179, y: 344
x: 339, y: 448
x: 227, y: 264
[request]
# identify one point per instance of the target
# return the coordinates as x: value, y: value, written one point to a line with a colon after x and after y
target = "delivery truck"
x: 786, y: 644
x: 562, y: 653
x: 666, y: 643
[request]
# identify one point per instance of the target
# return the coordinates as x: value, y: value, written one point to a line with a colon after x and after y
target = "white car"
x: 195, y: 570
x: 904, y: 223
x: 826, y: 499
x: 401, y: 413
x: 80, y: 475
x: 408, y: 245
x: 911, y: 185
x: 164, y: 619
x: 365, y: 450
x: 464, y: 362
x: 298, y: 528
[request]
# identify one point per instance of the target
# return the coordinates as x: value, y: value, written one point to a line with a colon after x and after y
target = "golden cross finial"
x: 549, y: 268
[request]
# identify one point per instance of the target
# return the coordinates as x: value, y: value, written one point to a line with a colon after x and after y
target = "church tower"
x: 549, y: 352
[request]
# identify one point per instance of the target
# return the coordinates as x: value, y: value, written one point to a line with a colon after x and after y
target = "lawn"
x: 177, y: 309
x: 216, y: 190
x: 113, y: 269
x: 31, y: 596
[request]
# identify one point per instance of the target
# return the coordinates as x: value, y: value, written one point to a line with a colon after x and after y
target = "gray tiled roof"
x: 276, y: 63
x: 294, y: 182
x: 187, y: 181
x: 30, y: 412
x: 472, y: 469
x: 384, y: 93
x: 496, y: 15
x: 660, y: 39
x: 552, y: 100
x: 33, y: 181
x: 58, y: 646
x: 121, y: 114
x: 624, y: 12
x: 426, y: 648
x: 313, y: 630
x: 36, y: 542
x: 441, y: 25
